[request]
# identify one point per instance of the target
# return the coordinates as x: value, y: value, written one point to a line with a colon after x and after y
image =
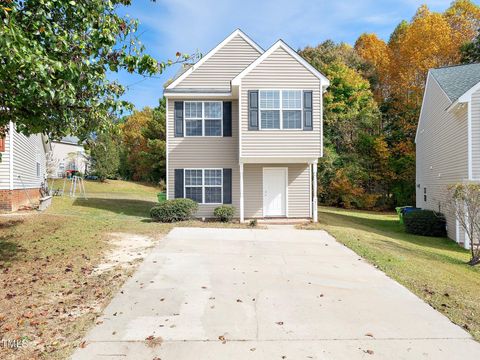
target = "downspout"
x: 10, y: 154
x: 469, y: 144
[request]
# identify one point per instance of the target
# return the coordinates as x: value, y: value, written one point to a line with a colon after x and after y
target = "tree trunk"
x: 475, y: 260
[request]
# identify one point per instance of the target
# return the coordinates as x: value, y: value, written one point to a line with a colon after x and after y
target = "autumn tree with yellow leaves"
x: 395, y: 71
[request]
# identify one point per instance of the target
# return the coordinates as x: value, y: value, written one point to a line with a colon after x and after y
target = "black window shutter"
x: 227, y: 118
x: 179, y: 183
x: 178, y: 118
x: 307, y: 111
x: 227, y: 186
x: 253, y: 110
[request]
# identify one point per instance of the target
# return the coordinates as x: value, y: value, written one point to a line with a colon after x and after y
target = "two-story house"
x: 448, y: 139
x: 244, y: 127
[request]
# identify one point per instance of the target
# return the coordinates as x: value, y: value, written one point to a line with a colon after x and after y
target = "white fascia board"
x: 465, y: 98
x: 429, y: 75
x: 224, y: 95
x: 468, y: 95
x: 213, y: 51
x: 277, y: 160
x: 281, y: 44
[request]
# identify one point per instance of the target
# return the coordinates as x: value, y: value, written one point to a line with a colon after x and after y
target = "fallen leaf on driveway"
x: 153, y: 341
x: 369, y: 352
x: 222, y: 339
x: 279, y: 323
x: 369, y: 334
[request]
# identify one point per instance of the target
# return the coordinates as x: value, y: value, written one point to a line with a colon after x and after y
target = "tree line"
x: 133, y: 148
x: 372, y: 107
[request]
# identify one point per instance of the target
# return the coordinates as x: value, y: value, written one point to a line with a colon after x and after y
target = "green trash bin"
x: 161, y: 197
x: 399, y: 213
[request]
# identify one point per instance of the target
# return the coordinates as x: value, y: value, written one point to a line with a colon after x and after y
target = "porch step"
x: 282, y: 221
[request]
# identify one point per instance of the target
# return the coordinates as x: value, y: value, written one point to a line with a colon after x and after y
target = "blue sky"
x: 168, y: 26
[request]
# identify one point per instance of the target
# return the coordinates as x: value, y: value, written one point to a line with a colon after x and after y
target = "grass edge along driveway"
x: 433, y: 268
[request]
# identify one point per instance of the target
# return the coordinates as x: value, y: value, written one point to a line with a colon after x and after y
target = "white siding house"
x: 448, y: 138
x: 244, y: 127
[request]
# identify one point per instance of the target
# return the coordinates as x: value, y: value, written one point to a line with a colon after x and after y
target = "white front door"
x: 275, y: 191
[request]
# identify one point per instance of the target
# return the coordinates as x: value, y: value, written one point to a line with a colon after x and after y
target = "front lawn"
x: 434, y: 269
x: 49, y: 295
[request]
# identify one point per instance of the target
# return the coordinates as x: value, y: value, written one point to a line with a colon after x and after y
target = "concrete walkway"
x: 267, y: 294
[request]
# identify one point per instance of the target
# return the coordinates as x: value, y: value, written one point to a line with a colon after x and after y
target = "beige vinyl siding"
x: 204, y: 152
x: 25, y: 152
x: 298, y: 189
x: 441, y: 151
x: 475, y: 111
x: 281, y: 71
x: 5, y: 165
x: 221, y: 67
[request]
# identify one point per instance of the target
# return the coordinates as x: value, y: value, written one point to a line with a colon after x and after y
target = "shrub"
x: 174, y: 210
x: 425, y: 222
x: 253, y: 223
x: 224, y: 213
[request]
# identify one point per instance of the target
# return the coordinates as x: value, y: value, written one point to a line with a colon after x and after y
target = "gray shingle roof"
x: 457, y: 80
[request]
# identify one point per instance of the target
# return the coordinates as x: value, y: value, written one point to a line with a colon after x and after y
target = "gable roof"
x: 457, y: 80
x: 188, y: 71
x: 281, y: 44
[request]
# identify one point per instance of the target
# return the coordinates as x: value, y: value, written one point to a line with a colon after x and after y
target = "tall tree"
x: 350, y: 115
x: 134, y: 141
x: 155, y: 156
x: 471, y: 51
x: 55, y: 59
x: 144, y: 144
x: 376, y: 53
x: 105, y: 154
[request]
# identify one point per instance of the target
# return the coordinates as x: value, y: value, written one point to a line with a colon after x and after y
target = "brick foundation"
x: 12, y: 200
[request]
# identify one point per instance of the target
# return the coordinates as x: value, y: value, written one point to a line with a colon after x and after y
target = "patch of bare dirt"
x: 126, y: 250
x: 47, y: 305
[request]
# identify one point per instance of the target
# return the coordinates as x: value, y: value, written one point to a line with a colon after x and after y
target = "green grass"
x: 434, y: 269
x: 46, y: 260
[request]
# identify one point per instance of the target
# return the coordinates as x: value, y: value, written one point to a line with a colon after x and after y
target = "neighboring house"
x: 22, y: 168
x: 448, y: 138
x: 68, y: 154
x: 244, y: 127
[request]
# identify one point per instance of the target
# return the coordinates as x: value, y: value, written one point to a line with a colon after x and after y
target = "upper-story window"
x: 203, y: 118
x: 280, y: 109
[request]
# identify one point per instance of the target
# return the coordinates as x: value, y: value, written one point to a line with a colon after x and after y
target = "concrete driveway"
x: 267, y: 294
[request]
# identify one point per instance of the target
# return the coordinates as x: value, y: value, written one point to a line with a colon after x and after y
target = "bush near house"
x: 224, y: 213
x: 425, y: 222
x: 174, y: 210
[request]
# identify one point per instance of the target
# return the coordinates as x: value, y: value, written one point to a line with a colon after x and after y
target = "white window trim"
x: 203, y: 118
x: 280, y: 109
x: 38, y: 166
x: 203, y: 185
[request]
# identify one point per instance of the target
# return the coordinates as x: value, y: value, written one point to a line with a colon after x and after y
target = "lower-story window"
x: 204, y: 186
